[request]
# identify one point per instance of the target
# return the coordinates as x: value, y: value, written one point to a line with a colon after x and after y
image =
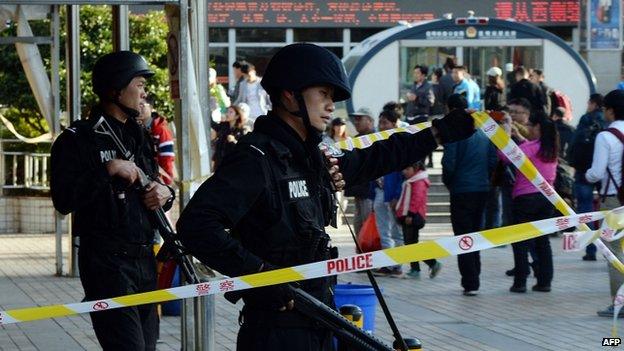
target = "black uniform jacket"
x: 103, y: 206
x: 242, y: 195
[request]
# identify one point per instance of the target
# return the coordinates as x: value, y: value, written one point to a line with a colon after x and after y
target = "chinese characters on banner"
x: 604, y: 24
x: 380, y: 13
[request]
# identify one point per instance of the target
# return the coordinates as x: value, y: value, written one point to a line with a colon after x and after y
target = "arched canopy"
x: 377, y: 65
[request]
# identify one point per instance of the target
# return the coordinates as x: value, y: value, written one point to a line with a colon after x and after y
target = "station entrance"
x: 477, y: 43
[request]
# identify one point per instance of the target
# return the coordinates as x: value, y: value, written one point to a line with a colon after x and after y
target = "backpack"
x: 564, y: 182
x: 620, y: 188
x: 560, y: 99
x: 580, y: 153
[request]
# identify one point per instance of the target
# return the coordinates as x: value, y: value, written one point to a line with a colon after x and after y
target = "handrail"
x: 25, y: 170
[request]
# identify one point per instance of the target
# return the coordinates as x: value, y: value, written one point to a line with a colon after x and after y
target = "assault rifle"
x: 343, y: 329
x: 305, y: 303
x: 172, y: 248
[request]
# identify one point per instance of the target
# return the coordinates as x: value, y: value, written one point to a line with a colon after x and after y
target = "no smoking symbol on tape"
x: 100, y: 305
x: 466, y: 243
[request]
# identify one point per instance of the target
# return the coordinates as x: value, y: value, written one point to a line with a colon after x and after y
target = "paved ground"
x: 433, y: 310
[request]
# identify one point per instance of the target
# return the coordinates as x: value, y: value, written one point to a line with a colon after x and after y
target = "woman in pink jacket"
x: 411, y: 211
x: 529, y: 204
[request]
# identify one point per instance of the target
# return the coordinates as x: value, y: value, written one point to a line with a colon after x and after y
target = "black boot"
x: 542, y: 288
x: 519, y: 286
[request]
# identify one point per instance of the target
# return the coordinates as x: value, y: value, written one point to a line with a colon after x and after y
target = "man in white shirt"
x: 608, y: 159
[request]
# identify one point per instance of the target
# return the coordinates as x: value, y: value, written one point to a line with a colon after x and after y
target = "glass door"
x: 479, y: 59
x: 432, y: 57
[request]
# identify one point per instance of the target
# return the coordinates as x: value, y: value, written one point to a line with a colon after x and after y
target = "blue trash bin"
x: 361, y: 295
x: 172, y: 308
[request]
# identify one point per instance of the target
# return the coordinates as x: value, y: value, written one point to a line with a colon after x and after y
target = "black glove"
x: 457, y: 125
x: 272, y: 297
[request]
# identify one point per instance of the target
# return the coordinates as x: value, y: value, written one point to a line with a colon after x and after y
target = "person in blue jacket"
x: 466, y: 169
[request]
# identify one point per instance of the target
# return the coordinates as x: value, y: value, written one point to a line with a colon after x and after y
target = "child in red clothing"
x: 411, y: 211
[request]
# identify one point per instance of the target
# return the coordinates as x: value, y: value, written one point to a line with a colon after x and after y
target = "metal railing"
x: 25, y: 170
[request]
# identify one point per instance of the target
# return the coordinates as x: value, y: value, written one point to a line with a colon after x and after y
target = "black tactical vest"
x: 301, y: 205
x: 117, y: 213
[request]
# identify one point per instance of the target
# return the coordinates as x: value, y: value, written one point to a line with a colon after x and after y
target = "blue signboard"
x: 605, y: 24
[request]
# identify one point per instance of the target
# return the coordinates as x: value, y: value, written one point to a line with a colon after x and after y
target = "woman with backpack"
x: 580, y: 155
x: 528, y: 204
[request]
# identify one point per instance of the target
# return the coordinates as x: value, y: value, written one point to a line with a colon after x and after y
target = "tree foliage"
x: 147, y: 37
x: 17, y: 101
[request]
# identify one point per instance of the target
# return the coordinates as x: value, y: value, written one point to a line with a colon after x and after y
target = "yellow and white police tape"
x: 609, y: 228
x: 415, y: 252
x: 578, y: 240
x: 503, y: 142
x: 367, y: 140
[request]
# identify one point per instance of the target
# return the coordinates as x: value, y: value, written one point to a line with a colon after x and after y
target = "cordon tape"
x: 399, y: 255
x: 611, y: 229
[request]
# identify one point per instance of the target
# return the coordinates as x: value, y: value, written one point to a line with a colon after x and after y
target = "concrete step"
x: 437, y: 229
x: 433, y: 217
x: 438, y: 207
x: 438, y: 197
x: 435, y: 178
x: 436, y: 187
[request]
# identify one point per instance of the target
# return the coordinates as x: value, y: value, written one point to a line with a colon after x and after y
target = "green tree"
x: 147, y: 37
x: 17, y: 101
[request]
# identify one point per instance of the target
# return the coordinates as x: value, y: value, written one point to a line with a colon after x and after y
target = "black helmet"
x: 298, y: 66
x: 116, y: 70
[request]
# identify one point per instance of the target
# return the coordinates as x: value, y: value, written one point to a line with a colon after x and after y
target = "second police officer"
x: 91, y: 179
x: 268, y: 204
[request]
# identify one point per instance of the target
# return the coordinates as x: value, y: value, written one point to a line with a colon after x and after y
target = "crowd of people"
x: 486, y: 191
x: 240, y: 225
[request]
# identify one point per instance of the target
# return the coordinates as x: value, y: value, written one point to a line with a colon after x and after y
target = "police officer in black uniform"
x: 112, y: 215
x: 274, y: 193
